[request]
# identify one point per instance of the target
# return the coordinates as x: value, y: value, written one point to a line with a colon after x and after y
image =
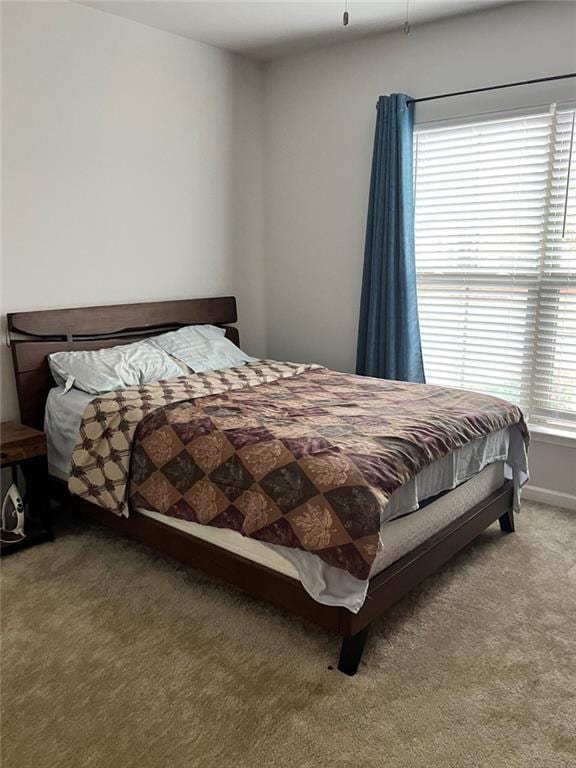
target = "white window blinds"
x: 496, y: 259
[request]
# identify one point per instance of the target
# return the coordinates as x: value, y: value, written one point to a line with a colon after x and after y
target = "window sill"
x: 542, y: 434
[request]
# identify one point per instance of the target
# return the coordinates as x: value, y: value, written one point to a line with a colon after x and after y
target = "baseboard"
x: 547, y: 496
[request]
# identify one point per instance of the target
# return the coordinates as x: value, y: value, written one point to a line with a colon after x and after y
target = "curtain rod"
x: 492, y: 88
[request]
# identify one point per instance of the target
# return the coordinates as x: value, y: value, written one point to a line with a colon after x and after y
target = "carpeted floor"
x: 116, y: 657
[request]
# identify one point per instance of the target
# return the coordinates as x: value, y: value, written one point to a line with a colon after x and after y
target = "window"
x: 496, y: 259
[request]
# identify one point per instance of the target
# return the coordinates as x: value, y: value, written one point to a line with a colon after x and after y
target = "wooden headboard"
x: 79, y: 328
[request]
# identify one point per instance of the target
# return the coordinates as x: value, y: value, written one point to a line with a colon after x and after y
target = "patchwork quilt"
x: 293, y: 455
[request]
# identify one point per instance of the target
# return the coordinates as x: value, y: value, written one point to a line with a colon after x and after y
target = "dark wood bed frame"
x: 50, y: 331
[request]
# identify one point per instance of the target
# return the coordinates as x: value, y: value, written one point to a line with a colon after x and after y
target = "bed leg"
x: 507, y: 522
x: 351, y: 652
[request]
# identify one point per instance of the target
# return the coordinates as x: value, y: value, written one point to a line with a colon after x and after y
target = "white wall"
x: 131, y: 168
x: 552, y: 470
x: 320, y: 114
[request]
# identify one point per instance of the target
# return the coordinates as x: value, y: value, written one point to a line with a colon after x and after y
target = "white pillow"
x: 104, y: 370
x: 202, y: 348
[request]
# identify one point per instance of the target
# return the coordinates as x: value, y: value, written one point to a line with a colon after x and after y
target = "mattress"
x: 473, y: 471
x: 333, y: 586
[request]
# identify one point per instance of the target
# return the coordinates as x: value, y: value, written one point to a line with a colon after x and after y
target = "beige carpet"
x: 114, y: 656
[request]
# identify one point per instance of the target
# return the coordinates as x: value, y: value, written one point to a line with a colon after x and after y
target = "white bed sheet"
x: 474, y: 471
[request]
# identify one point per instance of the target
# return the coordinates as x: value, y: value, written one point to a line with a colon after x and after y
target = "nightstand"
x: 25, y: 448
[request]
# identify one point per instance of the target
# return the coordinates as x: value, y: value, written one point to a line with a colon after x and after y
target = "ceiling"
x: 271, y: 28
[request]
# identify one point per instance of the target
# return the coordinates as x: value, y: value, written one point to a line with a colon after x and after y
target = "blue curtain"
x: 389, y: 333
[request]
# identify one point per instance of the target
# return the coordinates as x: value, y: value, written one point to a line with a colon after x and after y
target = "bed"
x: 440, y: 510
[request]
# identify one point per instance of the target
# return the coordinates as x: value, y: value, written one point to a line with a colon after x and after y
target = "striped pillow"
x: 104, y: 370
x: 202, y: 348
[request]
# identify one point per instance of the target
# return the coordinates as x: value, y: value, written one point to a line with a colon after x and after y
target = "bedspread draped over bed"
x: 294, y: 455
